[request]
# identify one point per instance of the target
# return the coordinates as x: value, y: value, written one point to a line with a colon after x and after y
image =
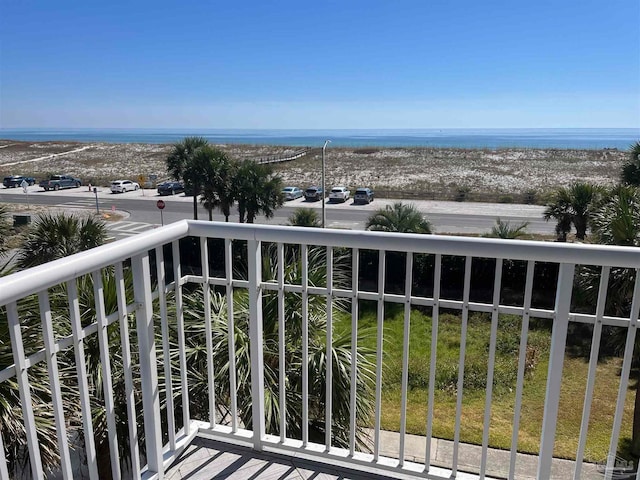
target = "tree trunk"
x: 211, y: 214
x: 103, y: 460
x: 581, y: 229
x: 226, y: 211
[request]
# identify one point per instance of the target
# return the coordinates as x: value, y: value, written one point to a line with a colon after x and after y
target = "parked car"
x: 339, y: 194
x: 363, y: 195
x: 121, y: 186
x: 291, y: 193
x: 56, y: 182
x: 170, y: 188
x: 14, y: 181
x: 313, y: 194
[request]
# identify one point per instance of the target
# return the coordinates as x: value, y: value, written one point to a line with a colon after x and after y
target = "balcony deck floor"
x: 205, y: 458
x: 210, y: 459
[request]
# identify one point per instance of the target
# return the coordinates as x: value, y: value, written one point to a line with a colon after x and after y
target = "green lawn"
x: 572, y: 395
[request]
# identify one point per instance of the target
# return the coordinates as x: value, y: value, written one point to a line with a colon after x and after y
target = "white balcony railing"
x: 144, y: 280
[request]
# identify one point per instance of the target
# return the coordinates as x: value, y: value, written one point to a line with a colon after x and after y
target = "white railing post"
x: 329, y: 352
x: 255, y: 336
x: 19, y: 358
x: 148, y: 363
x: 83, y: 382
x: 107, y: 377
x: 4, y: 471
x: 556, y: 361
x: 127, y: 364
x: 54, y: 381
x: 206, y: 300
x: 184, y: 381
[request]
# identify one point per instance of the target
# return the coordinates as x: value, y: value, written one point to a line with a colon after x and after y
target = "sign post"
x: 142, y: 180
x: 95, y: 192
x: 160, y: 205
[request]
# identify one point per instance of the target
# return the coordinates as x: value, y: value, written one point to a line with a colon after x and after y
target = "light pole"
x: 324, y: 214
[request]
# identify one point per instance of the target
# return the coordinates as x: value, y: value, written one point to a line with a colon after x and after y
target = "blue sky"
x: 320, y: 64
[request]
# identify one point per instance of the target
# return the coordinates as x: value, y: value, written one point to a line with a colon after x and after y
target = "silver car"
x: 363, y: 195
x: 291, y: 193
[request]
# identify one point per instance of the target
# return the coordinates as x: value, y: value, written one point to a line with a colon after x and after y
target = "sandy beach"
x: 507, y: 175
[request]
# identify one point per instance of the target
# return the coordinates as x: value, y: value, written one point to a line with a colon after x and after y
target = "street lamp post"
x: 324, y: 215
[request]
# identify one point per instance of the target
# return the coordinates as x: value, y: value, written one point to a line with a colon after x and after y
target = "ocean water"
x: 563, y: 138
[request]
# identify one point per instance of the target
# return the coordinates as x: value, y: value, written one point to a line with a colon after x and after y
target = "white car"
x: 339, y: 194
x: 121, y: 186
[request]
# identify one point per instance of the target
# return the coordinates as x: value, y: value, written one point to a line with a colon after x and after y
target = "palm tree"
x: 572, y: 205
x: 561, y: 211
x: 616, y: 221
x: 258, y: 191
x: 305, y: 217
x: 55, y: 236
x: 631, y: 169
x: 12, y: 427
x: 219, y: 173
x: 342, y: 360
x: 183, y: 164
x: 506, y: 230
x: 59, y: 235
x: 399, y: 217
x: 616, y: 218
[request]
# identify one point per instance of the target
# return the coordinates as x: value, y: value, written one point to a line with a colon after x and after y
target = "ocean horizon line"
x: 563, y: 138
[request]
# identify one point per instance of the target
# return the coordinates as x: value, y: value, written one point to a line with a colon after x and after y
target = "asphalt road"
x: 446, y: 217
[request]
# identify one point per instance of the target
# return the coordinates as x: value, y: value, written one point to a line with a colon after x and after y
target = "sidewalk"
x: 469, y: 457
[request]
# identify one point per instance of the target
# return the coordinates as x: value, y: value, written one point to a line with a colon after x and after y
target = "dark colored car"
x: 57, y: 182
x: 16, y: 180
x: 170, y: 188
x: 363, y: 195
x: 313, y: 194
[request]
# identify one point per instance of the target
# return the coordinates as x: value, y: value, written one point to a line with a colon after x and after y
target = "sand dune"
x: 426, y: 172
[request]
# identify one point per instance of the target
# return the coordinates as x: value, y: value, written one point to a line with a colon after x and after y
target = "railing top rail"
x: 36, y: 279
x: 44, y: 276
x: 580, y: 254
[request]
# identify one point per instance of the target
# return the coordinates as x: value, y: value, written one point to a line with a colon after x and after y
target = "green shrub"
x: 462, y: 194
x: 530, y: 197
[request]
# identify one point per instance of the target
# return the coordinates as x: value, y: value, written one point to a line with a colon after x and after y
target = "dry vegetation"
x: 503, y: 174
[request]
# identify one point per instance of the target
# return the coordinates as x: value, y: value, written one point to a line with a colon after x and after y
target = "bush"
x: 530, y: 197
x: 505, y: 199
x: 462, y: 194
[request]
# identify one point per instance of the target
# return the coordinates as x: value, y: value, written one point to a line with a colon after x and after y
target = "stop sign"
x: 160, y: 204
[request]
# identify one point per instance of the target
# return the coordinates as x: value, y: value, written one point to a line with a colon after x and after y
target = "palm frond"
x: 400, y: 218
